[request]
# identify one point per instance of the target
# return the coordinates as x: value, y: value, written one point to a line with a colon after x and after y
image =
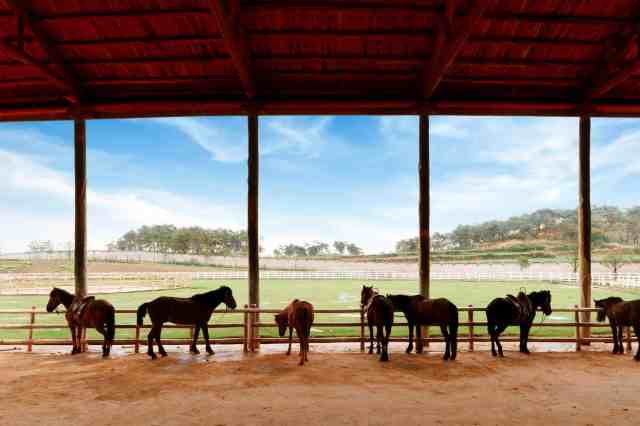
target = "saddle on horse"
x: 77, y: 307
x: 522, y: 307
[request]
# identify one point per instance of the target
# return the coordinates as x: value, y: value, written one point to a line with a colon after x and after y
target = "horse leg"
x: 306, y: 343
x: 636, y: 330
x: 419, y: 343
x: 370, y: 339
x: 100, y: 329
x: 380, y: 339
x: 290, y: 340
x: 301, y: 339
x: 524, y: 337
x: 410, y: 347
x: 161, y: 350
x: 73, y: 340
x: 385, y: 347
x: 614, y: 333
x: 193, y: 348
x: 499, y: 329
x: 150, y: 337
x: 447, y: 342
x: 205, y: 333
x: 620, y: 340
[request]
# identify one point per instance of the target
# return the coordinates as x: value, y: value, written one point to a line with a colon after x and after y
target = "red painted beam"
x: 236, y: 43
x: 65, y: 74
x: 444, y: 56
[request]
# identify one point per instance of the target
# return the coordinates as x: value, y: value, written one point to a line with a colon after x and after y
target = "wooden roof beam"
x: 616, y: 69
x: 447, y: 48
x: 64, y: 74
x: 227, y: 13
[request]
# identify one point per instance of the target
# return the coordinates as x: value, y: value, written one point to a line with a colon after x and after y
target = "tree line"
x: 609, y: 225
x: 318, y: 248
x: 188, y: 240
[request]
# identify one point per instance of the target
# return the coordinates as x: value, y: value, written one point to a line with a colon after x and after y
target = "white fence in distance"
x: 627, y: 280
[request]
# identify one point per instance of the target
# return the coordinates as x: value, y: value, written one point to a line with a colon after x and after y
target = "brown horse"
x: 196, y: 310
x: 379, y: 311
x: 420, y: 311
x: 620, y: 314
x: 299, y: 315
x: 83, y: 313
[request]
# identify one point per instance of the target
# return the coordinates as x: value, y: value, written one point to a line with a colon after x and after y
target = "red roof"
x: 114, y: 58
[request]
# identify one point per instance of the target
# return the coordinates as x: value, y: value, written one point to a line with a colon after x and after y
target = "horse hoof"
x: 194, y: 351
x: 446, y: 358
x: 210, y: 352
x: 153, y: 357
x: 637, y: 358
x: 384, y: 359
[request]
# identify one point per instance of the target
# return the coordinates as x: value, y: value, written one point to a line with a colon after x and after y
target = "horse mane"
x: 539, y: 296
x: 211, y: 297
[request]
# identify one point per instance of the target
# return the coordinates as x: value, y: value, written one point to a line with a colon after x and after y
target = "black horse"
x: 520, y: 310
x: 196, y: 309
x: 379, y: 311
x: 420, y: 311
x: 620, y: 314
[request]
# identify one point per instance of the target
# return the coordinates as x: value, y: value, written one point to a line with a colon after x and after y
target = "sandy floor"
x: 334, y: 388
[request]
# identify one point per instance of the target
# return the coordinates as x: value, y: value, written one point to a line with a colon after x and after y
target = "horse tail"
x: 142, y: 311
x: 453, y: 329
x: 110, y: 325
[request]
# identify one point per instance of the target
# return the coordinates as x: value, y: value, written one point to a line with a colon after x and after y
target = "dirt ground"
x: 347, y: 388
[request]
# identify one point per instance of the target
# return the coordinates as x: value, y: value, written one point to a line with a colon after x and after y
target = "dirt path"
x: 334, y: 388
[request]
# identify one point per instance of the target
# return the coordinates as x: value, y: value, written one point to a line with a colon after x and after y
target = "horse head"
x: 366, y: 294
x: 227, y: 297
x: 542, y: 299
x: 54, y: 299
x: 604, y: 306
x: 282, y: 319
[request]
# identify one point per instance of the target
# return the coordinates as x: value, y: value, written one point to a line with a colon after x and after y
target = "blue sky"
x: 322, y: 178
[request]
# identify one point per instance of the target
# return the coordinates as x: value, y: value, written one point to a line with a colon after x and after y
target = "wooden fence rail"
x: 251, y: 337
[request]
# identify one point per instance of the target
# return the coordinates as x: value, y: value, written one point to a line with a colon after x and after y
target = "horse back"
x: 627, y: 313
x: 380, y: 311
x: 178, y: 310
x: 301, y: 315
x: 435, y: 311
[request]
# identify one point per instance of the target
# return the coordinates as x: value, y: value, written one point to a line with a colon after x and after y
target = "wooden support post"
x: 362, y: 343
x: 578, y: 334
x: 584, y: 220
x: 32, y: 320
x: 254, y: 330
x: 470, y: 317
x: 252, y: 217
x: 423, y: 171
x: 423, y: 212
x: 80, y: 169
x: 629, y: 347
x: 245, y: 343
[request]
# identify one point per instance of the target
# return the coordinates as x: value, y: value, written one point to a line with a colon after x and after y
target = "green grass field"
x: 345, y: 294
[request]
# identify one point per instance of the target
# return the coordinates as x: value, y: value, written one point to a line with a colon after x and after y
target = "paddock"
x: 333, y: 388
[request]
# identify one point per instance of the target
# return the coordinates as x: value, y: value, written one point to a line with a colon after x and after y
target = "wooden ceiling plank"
x: 236, y: 43
x: 67, y: 77
x: 447, y: 52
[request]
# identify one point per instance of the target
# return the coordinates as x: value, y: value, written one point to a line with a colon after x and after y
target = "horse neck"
x: 214, y: 300
x: 65, y: 298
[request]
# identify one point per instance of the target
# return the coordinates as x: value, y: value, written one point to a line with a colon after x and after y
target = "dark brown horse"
x: 511, y: 310
x: 379, y: 311
x: 420, y: 311
x: 196, y: 310
x: 83, y: 313
x: 299, y: 315
x: 620, y: 314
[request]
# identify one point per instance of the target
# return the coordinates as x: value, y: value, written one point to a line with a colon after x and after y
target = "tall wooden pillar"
x: 423, y: 171
x: 80, y: 171
x: 584, y: 218
x: 252, y: 212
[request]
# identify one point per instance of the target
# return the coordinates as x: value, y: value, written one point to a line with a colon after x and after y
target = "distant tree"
x: 523, y: 262
x: 340, y: 246
x: 408, y: 246
x: 614, y: 262
x: 354, y: 250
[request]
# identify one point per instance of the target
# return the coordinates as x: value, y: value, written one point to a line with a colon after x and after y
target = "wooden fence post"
x: 578, y: 337
x: 32, y: 320
x: 362, y: 342
x: 136, y: 345
x: 629, y: 339
x: 245, y: 343
x: 470, y: 316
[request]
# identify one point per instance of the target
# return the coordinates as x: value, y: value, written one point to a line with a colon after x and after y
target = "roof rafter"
x: 235, y: 40
x: 65, y: 76
x: 603, y: 81
x: 447, y: 48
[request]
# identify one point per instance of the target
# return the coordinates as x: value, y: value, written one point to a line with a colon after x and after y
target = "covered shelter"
x: 79, y: 60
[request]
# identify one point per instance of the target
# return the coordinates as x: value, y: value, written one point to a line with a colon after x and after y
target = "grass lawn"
x: 275, y: 294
